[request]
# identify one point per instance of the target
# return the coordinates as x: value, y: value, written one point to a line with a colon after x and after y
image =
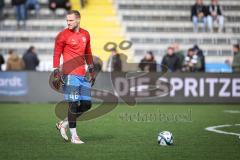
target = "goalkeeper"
x: 73, y: 43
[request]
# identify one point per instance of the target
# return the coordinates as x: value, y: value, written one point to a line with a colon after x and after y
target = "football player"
x: 73, y: 44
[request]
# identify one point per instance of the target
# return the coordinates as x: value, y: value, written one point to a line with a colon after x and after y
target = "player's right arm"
x: 58, y: 49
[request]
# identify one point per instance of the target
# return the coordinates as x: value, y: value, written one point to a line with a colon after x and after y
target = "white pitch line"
x: 231, y: 111
x: 214, y: 129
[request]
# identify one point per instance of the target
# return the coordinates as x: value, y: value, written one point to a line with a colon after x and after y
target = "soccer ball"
x: 165, y: 138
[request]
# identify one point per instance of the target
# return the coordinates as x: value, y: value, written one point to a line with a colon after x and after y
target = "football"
x: 165, y: 138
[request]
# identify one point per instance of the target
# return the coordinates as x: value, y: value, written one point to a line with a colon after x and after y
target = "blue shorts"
x: 76, y: 88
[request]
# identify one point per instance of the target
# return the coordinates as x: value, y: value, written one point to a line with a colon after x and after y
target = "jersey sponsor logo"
x: 73, y: 41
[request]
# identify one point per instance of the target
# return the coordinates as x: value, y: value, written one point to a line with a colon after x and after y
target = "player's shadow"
x: 98, y: 138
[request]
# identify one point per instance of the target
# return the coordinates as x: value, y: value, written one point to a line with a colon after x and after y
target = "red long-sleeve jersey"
x: 76, y: 50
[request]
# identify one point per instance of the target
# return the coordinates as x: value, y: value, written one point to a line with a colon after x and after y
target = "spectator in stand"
x: 97, y: 62
x: 114, y: 62
x: 236, y: 58
x: 33, y: 5
x: 2, y: 4
x: 83, y: 3
x: 199, y: 13
x: 192, y: 62
x: 55, y: 4
x: 170, y: 61
x: 215, y: 16
x: 14, y: 62
x: 20, y: 12
x: 148, y: 63
x: 179, y: 53
x: 2, y: 61
x: 201, y: 57
x: 30, y: 59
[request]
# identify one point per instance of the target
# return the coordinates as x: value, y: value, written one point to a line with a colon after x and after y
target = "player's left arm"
x: 89, y: 60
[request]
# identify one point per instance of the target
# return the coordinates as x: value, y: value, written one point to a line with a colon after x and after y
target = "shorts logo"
x: 74, y: 95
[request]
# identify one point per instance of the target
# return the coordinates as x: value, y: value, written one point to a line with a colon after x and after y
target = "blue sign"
x: 13, y: 83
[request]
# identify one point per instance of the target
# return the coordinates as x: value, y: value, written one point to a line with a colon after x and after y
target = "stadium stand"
x: 98, y: 17
x: 149, y: 24
x: 155, y: 24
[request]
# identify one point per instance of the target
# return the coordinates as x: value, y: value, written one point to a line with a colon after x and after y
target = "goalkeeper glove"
x: 91, y: 74
x: 58, y: 81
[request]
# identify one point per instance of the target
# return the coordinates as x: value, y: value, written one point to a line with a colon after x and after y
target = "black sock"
x: 72, y: 114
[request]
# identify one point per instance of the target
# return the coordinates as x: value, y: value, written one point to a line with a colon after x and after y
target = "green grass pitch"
x: 28, y: 133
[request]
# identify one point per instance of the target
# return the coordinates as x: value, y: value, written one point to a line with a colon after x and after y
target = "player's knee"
x: 85, y: 105
x: 73, y: 107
